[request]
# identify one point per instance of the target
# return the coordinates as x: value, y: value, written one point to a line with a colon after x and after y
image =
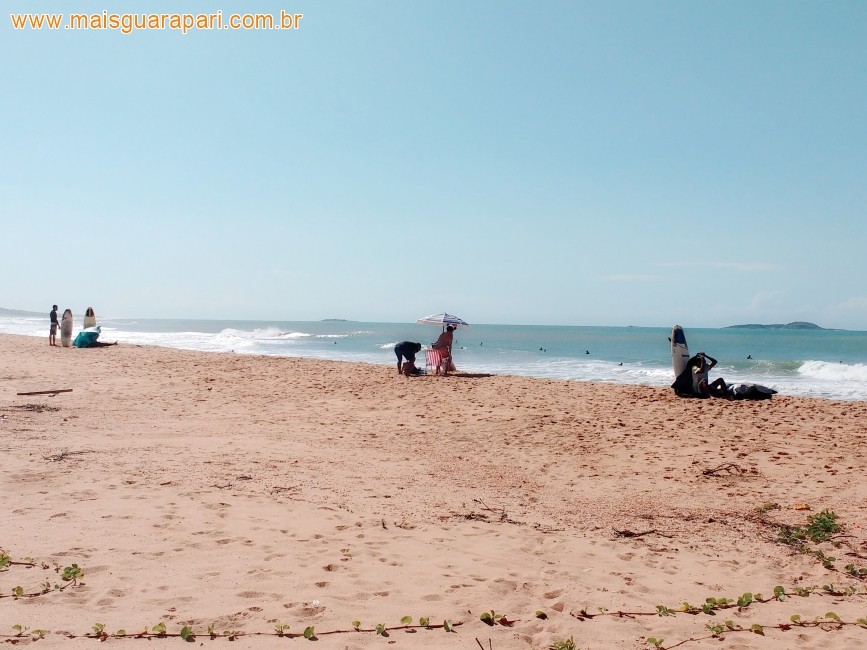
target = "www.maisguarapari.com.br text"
x: 129, y: 23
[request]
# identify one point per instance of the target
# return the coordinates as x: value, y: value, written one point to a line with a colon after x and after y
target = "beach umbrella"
x: 443, y: 320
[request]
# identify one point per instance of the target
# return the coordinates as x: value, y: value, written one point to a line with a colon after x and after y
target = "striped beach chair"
x: 436, y: 363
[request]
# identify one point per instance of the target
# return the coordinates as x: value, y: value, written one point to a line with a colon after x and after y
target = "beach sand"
x: 243, y: 493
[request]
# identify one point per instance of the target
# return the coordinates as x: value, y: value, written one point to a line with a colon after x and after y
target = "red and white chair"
x: 436, y: 363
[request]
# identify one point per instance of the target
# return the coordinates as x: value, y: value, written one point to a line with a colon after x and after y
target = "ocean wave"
x: 833, y: 371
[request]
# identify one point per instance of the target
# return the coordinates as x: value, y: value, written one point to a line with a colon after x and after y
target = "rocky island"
x: 797, y: 325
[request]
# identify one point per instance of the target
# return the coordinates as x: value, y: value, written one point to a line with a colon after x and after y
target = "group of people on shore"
x: 64, y: 324
x: 406, y: 351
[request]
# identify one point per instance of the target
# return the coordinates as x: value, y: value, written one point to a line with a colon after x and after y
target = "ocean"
x: 830, y: 364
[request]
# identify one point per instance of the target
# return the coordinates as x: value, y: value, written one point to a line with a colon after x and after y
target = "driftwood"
x: 48, y: 392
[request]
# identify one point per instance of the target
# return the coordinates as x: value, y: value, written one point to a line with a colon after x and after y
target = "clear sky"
x: 575, y: 163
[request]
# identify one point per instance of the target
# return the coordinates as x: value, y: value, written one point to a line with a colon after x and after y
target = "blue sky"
x: 575, y: 163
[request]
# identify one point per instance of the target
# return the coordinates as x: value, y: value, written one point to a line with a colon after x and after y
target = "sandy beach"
x: 243, y: 494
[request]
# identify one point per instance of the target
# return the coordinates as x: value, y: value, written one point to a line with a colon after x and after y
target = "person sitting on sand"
x: 406, y: 350
x: 89, y: 318
x: 409, y: 369
x: 700, y: 384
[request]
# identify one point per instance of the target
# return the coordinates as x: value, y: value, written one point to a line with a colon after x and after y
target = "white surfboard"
x: 679, y: 350
x: 66, y: 329
x: 89, y: 318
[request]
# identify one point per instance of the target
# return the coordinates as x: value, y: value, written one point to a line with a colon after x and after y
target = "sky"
x: 562, y: 163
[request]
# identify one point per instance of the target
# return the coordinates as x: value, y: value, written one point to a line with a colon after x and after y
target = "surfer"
x: 52, y: 332
x: 700, y: 383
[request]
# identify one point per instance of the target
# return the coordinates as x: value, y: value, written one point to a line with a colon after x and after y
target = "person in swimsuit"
x: 700, y: 384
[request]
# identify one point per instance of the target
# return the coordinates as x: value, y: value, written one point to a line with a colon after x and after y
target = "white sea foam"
x: 833, y: 371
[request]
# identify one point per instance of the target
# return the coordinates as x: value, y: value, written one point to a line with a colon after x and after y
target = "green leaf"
x: 833, y: 617
x: 424, y: 621
x: 309, y: 633
x: 380, y: 629
x: 758, y: 629
x: 120, y: 632
x: 356, y: 624
x: 795, y: 618
x: 187, y: 633
x: 159, y: 628
x: 541, y: 614
x: 486, y: 617
x: 406, y: 620
x: 448, y: 625
x: 18, y: 591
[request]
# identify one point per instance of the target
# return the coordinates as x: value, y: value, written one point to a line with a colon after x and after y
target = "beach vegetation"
x: 310, y: 633
x: 71, y: 576
x: 856, y: 572
x: 381, y: 630
x: 566, y: 644
x: 406, y: 620
x: 187, y: 634
x: 745, y: 600
x: 281, y: 629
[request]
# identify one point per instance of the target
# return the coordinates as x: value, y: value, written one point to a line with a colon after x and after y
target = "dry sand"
x: 243, y: 492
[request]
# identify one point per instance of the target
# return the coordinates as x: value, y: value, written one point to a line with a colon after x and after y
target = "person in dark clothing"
x: 52, y: 332
x: 406, y: 350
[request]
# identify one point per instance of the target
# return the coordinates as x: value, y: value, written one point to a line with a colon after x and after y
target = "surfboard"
x: 87, y: 337
x: 679, y: 350
x: 66, y: 329
x: 89, y: 320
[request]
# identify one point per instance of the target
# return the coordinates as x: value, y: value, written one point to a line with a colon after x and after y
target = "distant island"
x: 797, y: 325
x: 334, y: 320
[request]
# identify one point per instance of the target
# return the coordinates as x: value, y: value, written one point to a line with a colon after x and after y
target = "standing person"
x: 52, y: 332
x: 406, y: 350
x: 444, y: 345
